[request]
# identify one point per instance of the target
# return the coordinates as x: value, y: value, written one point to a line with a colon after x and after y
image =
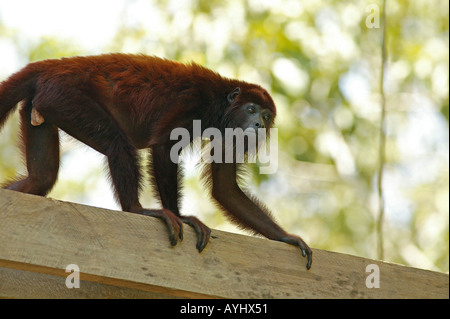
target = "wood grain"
x: 123, y: 255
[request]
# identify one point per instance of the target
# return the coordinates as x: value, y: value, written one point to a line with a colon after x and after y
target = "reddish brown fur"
x: 118, y: 103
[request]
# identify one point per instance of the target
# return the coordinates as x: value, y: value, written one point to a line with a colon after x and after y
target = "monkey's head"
x: 250, y: 107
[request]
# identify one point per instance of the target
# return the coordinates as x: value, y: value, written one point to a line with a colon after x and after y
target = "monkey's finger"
x: 203, y: 239
x: 306, y: 252
x: 173, y: 223
x: 180, y: 226
x: 203, y: 232
x: 175, y: 227
x: 308, y: 264
x: 297, y: 241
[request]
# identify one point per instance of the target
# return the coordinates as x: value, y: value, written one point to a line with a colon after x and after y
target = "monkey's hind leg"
x: 87, y: 121
x: 41, y: 148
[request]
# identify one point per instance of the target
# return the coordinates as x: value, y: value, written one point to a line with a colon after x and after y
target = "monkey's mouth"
x: 251, y: 131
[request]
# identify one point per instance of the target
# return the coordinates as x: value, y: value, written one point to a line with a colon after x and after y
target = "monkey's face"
x: 253, y: 116
x: 251, y: 108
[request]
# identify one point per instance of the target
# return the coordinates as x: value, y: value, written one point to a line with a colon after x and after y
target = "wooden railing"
x: 44, y: 242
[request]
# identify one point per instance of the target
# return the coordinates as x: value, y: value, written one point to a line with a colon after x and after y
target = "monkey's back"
x: 139, y: 84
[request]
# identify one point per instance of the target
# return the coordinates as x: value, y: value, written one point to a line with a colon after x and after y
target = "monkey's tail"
x: 17, y: 87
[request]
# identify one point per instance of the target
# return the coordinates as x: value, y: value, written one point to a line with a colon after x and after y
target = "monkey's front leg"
x: 249, y: 213
x: 167, y: 177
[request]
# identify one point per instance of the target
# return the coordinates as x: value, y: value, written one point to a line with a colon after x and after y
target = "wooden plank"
x: 126, y: 255
x: 26, y: 284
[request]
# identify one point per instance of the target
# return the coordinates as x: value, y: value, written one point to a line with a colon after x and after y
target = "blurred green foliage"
x: 321, y: 62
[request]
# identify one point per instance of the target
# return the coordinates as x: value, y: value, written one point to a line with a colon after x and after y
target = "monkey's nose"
x: 258, y: 125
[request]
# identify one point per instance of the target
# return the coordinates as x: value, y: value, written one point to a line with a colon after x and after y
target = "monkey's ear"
x: 231, y: 96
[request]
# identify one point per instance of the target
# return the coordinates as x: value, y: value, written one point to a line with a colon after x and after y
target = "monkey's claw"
x: 173, y: 223
x: 203, y: 232
x: 297, y: 241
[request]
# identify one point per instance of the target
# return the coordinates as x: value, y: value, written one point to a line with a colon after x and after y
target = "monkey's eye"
x: 251, y: 109
x: 267, y: 116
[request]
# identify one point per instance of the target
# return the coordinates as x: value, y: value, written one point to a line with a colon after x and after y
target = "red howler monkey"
x: 118, y: 103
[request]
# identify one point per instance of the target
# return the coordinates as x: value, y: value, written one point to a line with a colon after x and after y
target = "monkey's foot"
x: 297, y: 241
x: 203, y: 232
x: 174, y: 223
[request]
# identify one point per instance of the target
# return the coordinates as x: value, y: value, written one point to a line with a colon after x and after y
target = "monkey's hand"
x: 174, y: 223
x: 297, y: 241
x: 203, y: 232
